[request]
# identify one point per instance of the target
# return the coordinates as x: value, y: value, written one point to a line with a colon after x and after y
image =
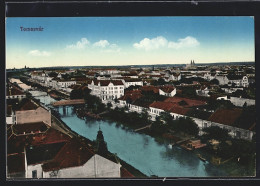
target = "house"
x: 129, y: 98
x: 227, y: 119
x: 158, y: 107
x: 14, y: 93
x: 132, y: 82
x: 185, y: 102
x: 168, y: 91
x: 172, y: 76
x: 238, y: 80
x: 203, y: 91
x: 39, y: 151
x: 107, y: 89
x: 30, y: 112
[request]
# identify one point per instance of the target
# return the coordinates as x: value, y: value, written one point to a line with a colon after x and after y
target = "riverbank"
x: 58, y: 124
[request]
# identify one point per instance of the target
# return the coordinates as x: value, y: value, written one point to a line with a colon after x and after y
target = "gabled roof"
x: 27, y: 105
x: 132, y: 95
x: 167, y: 89
x: 179, y: 110
x: 179, y: 101
x: 36, y: 127
x: 150, y: 88
x: 225, y: 116
x: 141, y: 103
x: 14, y: 91
x: 106, y: 82
x: 72, y: 154
x: 17, y: 140
x: 42, y: 153
x: 166, y: 106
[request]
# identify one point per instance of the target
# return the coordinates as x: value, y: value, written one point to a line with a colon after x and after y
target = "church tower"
x: 101, y: 144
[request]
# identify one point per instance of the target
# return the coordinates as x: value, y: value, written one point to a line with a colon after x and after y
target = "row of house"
x: 185, y: 107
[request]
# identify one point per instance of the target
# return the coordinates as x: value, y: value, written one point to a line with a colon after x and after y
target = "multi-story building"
x: 107, y: 89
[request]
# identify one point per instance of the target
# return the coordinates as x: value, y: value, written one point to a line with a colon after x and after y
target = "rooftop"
x: 185, y: 102
x: 225, y: 116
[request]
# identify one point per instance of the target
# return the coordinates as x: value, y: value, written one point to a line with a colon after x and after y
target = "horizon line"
x: 208, y: 63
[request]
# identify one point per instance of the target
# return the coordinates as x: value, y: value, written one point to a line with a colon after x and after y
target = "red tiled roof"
x: 150, y: 88
x: 166, y: 106
x: 17, y: 142
x: 29, y: 128
x: 16, y: 163
x: 125, y: 173
x: 14, y: 91
x: 190, y: 102
x: 106, y: 82
x: 28, y: 105
x: 225, y: 116
x: 72, y: 154
x: 133, y: 97
x: 179, y: 110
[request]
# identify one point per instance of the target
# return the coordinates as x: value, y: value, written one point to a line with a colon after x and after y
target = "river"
x: 141, y: 150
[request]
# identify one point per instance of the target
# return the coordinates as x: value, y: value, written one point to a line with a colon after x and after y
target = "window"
x: 34, y: 174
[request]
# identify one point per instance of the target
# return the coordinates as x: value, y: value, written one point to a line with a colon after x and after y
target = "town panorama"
x: 68, y: 116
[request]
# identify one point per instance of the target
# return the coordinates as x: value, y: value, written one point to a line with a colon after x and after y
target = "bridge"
x: 69, y: 102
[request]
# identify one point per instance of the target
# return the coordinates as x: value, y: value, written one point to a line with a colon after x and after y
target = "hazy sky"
x: 128, y: 40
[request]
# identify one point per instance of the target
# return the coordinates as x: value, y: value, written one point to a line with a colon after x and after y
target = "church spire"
x: 101, y: 144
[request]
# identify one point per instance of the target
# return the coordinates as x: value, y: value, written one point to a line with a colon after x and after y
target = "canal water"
x: 139, y: 150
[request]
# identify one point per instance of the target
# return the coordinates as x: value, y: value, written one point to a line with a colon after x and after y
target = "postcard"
x: 130, y: 97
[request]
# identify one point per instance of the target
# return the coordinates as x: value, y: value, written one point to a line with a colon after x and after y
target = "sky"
x: 92, y: 41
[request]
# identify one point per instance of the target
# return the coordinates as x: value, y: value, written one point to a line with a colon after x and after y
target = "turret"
x: 101, y: 144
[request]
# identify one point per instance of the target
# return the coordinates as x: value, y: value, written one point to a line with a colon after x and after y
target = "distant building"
x: 237, y: 80
x: 132, y: 82
x: 14, y: 93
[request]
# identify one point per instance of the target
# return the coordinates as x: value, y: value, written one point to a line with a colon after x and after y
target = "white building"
x: 107, y: 89
x: 168, y: 91
x: 132, y: 82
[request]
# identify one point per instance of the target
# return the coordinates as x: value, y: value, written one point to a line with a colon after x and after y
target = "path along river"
x: 140, y: 150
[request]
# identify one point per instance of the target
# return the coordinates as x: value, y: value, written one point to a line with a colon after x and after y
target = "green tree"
x: 76, y: 94
x: 109, y: 105
x: 217, y: 133
x: 186, y: 125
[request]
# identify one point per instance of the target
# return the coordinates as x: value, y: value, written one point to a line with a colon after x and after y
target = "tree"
x: 109, y: 105
x: 53, y: 74
x: 214, y: 81
x: 76, y: 94
x: 186, y: 125
x: 217, y: 133
x: 158, y: 127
